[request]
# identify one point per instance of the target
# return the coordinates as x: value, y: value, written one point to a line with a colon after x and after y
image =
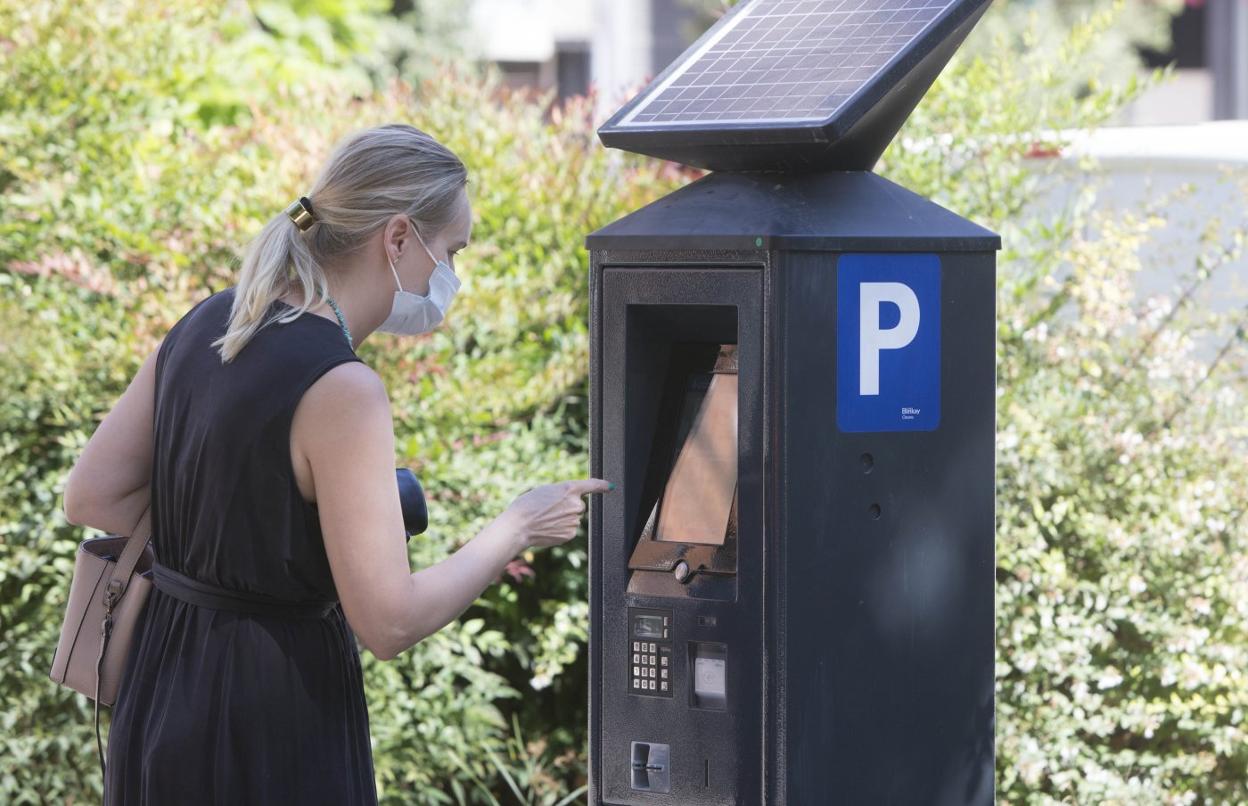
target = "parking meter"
x: 792, y: 383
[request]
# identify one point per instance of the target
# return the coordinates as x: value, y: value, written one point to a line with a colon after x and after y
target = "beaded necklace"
x: 342, y: 321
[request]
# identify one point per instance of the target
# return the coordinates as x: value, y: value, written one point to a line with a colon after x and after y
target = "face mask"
x: 412, y: 314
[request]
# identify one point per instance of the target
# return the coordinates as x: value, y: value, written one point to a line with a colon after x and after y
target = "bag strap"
x: 105, y: 633
x: 122, y: 571
x: 130, y: 555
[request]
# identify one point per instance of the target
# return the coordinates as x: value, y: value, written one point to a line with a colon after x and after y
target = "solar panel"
x: 787, y: 61
x: 799, y: 71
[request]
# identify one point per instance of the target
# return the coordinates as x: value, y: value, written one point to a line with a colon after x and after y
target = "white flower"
x: 1109, y: 678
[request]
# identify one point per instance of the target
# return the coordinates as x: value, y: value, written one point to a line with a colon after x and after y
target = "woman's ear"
x: 395, y: 235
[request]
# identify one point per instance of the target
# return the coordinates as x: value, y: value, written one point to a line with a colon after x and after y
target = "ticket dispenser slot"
x: 708, y: 683
x: 689, y: 537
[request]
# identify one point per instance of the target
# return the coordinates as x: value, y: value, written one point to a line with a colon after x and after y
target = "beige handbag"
x: 111, y: 583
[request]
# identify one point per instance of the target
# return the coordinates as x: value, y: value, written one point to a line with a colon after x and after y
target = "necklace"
x: 341, y: 320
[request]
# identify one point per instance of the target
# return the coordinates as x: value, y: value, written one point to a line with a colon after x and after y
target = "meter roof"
x: 820, y: 211
x: 795, y: 84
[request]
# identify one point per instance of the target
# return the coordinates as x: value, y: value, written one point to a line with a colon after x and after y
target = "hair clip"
x: 300, y: 212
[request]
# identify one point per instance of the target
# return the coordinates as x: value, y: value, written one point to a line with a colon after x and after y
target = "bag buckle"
x: 113, y: 592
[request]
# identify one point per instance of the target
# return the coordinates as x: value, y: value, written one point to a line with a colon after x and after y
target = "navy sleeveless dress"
x: 218, y: 705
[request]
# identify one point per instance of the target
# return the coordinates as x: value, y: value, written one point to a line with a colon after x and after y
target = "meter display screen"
x: 649, y: 626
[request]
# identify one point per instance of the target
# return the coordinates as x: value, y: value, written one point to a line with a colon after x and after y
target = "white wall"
x: 1133, y: 165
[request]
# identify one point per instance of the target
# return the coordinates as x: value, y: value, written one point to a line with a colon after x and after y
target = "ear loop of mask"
x: 395, y: 272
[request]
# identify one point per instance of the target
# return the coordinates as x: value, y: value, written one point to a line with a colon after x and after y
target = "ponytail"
x: 266, y: 276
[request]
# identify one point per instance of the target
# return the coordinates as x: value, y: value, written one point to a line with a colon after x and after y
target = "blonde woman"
x: 265, y: 448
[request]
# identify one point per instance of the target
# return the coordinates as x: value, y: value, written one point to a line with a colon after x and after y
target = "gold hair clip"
x: 300, y: 212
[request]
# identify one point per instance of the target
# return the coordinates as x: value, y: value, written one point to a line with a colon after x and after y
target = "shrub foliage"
x: 132, y: 169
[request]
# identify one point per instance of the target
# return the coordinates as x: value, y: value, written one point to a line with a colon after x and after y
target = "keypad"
x: 651, y: 657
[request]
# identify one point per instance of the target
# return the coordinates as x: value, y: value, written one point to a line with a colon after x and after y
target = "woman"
x: 265, y: 449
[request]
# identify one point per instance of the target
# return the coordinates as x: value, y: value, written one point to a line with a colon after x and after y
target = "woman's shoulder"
x: 304, y: 344
x: 349, y: 384
x: 175, y: 335
x: 348, y: 397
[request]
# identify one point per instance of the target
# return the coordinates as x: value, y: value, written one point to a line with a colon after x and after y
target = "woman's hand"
x: 550, y: 514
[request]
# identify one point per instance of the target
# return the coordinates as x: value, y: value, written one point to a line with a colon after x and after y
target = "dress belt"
x: 195, y: 592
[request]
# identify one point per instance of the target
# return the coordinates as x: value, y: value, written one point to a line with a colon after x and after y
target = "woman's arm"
x: 109, y: 487
x: 343, y: 427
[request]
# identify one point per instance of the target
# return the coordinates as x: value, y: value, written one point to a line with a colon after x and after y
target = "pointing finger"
x: 587, y: 486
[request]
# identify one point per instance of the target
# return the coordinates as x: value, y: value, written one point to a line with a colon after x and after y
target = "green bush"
x: 126, y: 196
x: 127, y: 186
x: 51, y: 377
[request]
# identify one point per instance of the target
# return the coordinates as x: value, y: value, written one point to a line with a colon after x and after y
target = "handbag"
x: 112, y: 580
x: 113, y: 577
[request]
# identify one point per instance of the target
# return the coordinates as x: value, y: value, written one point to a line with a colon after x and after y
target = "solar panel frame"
x: 826, y: 127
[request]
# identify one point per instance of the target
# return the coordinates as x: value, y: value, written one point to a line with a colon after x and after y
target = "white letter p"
x: 872, y: 339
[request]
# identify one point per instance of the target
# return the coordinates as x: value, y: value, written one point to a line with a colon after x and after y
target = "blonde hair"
x: 372, y: 175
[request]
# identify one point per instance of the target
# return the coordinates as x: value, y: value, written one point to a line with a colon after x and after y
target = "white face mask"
x: 412, y: 314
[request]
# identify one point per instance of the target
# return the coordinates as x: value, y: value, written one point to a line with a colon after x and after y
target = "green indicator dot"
x: 758, y: 241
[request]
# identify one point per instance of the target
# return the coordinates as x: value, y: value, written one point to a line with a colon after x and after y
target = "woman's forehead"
x: 463, y: 218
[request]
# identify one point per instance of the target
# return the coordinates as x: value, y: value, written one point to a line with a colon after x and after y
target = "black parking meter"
x: 792, y: 385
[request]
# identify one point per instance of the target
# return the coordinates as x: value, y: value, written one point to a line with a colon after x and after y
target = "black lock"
x: 412, y: 500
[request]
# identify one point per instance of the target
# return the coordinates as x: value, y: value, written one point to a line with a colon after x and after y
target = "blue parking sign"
x: 888, y: 342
